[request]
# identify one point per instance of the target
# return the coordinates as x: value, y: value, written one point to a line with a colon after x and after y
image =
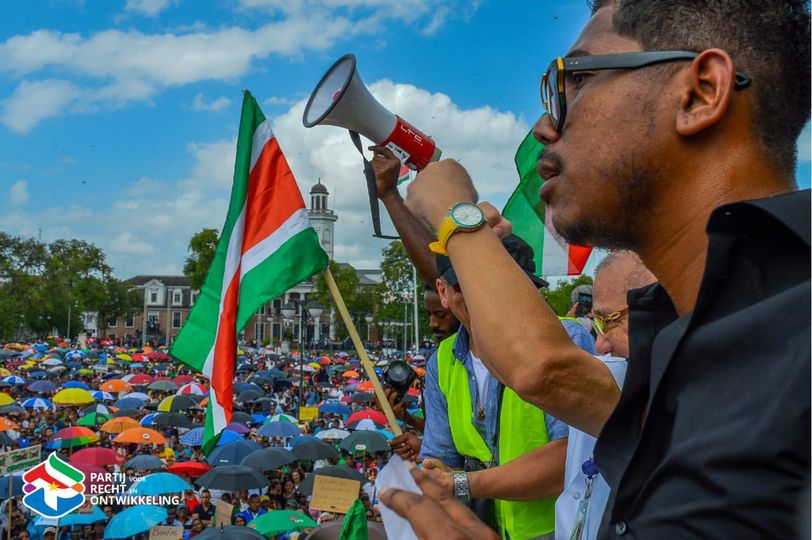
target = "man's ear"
x: 441, y: 291
x: 707, y: 87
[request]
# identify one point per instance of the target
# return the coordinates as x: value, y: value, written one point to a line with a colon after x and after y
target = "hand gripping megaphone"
x: 341, y: 99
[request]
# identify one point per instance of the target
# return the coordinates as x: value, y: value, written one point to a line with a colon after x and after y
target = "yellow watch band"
x: 444, y: 232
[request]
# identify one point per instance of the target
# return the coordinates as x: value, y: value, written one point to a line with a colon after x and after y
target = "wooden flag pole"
x: 362, y: 353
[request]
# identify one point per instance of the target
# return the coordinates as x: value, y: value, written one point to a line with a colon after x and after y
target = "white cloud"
x: 34, y: 101
x: 150, y: 8
x: 275, y: 101
x: 18, y: 193
x: 128, y: 244
x: 200, y: 103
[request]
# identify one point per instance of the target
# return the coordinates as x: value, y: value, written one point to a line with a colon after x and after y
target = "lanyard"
x: 590, y: 470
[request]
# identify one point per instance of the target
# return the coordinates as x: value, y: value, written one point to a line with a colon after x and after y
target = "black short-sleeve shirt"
x: 711, y: 437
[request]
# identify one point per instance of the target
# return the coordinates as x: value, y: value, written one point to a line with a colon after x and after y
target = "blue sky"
x: 118, y: 117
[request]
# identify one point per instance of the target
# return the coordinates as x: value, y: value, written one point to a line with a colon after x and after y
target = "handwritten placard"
x: 222, y: 512
x: 162, y: 532
x: 334, y: 494
x: 308, y: 413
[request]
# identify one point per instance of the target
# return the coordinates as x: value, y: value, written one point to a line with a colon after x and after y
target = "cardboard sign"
x: 18, y: 460
x: 222, y: 512
x: 307, y: 414
x: 334, y: 494
x: 162, y: 532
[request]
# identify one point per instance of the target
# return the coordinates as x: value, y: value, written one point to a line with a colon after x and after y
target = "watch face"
x: 467, y: 215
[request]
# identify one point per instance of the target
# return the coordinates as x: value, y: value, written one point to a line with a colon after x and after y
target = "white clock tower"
x: 321, y: 217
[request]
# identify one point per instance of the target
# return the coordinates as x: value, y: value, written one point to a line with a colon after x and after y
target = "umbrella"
x: 242, y: 418
x: 313, y: 450
x: 334, y: 407
x: 232, y: 478
x: 350, y: 373
x: 282, y: 383
x: 101, y: 395
x: 16, y: 486
x: 279, y: 429
x: 160, y: 483
x: 144, y: 462
x: 372, y: 414
x: 248, y: 395
x: 232, y: 453
x: 336, y: 471
x: 192, y: 468
x: 183, y: 379
x: 71, y: 437
x: 76, y: 384
x: 119, y: 425
x: 134, y: 520
x: 52, y: 362
x: 363, y: 397
x: 172, y: 419
x: 140, y: 435
x: 13, y: 379
x: 228, y: 436
x: 302, y: 439
x: 37, y: 403
x: 95, y: 456
x: 269, y: 373
x: 129, y: 403
x: 176, y: 403
x: 229, y: 532
x: 11, y: 408
x: 193, y: 437
x: 147, y: 420
x: 262, y: 381
x: 90, y: 420
x: 365, y: 441
x: 282, y: 418
x: 278, y: 521
x: 238, y: 428
x: 268, y: 459
x: 102, y: 409
x: 115, y: 386
x: 72, y: 396
x: 163, y: 386
x: 76, y: 518
x: 365, y: 424
x: 38, y: 374
x: 242, y: 387
x: 137, y: 395
x: 139, y: 379
x: 132, y: 413
x: 191, y: 388
x: 333, y: 434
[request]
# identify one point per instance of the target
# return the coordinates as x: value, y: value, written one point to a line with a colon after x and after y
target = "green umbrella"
x: 278, y: 521
x: 92, y: 419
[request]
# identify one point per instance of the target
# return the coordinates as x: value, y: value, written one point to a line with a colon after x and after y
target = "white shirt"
x: 579, y: 449
x: 482, y: 375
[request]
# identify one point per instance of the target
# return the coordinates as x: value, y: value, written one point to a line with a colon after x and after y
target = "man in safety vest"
x: 474, y: 422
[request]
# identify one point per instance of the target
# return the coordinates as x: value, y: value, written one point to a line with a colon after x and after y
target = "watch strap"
x: 462, y: 490
x: 444, y: 232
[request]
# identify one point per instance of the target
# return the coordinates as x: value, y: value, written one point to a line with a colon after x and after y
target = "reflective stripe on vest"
x: 522, y: 428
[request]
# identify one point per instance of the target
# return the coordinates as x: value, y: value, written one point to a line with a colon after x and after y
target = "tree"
x: 202, y: 248
x: 119, y: 300
x: 559, y: 297
x: 358, y: 298
x: 397, y: 288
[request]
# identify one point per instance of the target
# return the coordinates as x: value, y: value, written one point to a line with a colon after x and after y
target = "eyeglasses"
x: 553, y: 94
x: 602, y: 323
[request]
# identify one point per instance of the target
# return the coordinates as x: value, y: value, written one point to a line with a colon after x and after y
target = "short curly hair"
x: 767, y: 39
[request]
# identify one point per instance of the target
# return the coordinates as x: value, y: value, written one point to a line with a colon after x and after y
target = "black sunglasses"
x: 553, y: 95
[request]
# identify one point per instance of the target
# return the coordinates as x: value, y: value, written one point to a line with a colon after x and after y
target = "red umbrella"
x: 375, y: 416
x: 180, y: 380
x: 139, y: 379
x: 95, y: 456
x: 192, y: 468
x: 94, y: 476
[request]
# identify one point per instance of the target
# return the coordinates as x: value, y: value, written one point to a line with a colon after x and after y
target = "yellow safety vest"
x: 522, y: 428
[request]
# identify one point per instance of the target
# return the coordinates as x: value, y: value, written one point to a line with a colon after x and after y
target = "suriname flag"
x: 267, y: 247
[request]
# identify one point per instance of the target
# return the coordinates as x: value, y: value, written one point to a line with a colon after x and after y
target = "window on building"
x: 259, y: 331
x: 112, y: 322
x: 176, y: 319
x: 153, y: 296
x: 277, y: 331
x: 277, y: 306
x: 261, y: 310
x: 129, y: 320
x: 177, y: 298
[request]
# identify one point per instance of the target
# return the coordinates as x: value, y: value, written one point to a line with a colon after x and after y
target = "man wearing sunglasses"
x: 688, y: 161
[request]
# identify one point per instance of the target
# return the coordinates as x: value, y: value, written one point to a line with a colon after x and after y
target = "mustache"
x: 549, y: 156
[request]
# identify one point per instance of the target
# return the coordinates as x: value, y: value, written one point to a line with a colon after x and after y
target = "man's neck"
x: 675, y: 245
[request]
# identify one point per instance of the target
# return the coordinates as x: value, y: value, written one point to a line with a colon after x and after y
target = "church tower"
x: 321, y: 217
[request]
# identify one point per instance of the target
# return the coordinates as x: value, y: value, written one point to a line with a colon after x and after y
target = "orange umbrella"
x: 350, y: 373
x: 6, y: 424
x: 140, y: 435
x: 365, y: 386
x: 115, y: 385
x: 119, y: 425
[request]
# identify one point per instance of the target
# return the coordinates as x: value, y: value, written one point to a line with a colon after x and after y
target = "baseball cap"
x: 51, y: 530
x: 520, y: 250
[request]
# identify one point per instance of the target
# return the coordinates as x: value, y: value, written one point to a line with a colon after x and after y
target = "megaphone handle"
x: 372, y: 191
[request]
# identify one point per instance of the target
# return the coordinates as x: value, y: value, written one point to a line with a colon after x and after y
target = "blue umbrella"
x: 76, y: 384
x: 74, y: 365
x: 144, y: 462
x: 229, y: 436
x: 75, y: 518
x: 279, y: 429
x: 38, y: 374
x: 303, y: 438
x: 136, y: 365
x: 271, y: 373
x: 258, y: 418
x: 159, y: 484
x: 16, y: 486
x: 14, y: 379
x: 242, y: 387
x: 232, y: 453
x: 334, y: 407
x: 134, y: 520
x: 101, y: 395
x: 385, y: 433
x: 148, y: 419
x: 193, y: 437
x: 129, y: 403
x: 37, y: 403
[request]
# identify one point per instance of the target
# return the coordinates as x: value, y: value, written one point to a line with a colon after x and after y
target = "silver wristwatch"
x: 461, y: 489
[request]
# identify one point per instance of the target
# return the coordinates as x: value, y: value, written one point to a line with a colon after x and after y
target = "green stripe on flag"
x: 524, y: 209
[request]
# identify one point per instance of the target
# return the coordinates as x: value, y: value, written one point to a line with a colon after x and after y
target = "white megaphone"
x: 341, y: 99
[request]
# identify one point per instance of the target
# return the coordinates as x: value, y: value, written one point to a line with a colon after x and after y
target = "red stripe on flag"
x: 576, y: 259
x: 222, y: 377
x: 272, y: 197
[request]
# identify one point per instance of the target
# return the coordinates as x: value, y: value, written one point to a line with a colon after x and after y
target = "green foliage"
x: 202, y: 248
x: 42, y: 286
x: 359, y: 299
x: 397, y: 289
x: 559, y: 297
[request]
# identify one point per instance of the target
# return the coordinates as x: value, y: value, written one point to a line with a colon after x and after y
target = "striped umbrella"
x: 14, y: 379
x: 282, y: 418
x: 191, y: 388
x: 37, y: 403
x: 91, y: 420
x: 101, y: 395
x: 71, y: 437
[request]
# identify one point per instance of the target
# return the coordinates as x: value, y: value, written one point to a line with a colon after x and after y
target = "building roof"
x: 319, y: 188
x: 171, y: 281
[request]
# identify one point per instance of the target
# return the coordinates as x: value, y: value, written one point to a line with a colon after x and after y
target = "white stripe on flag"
x: 262, y: 135
x: 218, y: 413
x: 296, y: 223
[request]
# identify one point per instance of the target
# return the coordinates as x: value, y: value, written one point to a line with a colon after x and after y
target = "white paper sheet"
x: 396, y: 475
